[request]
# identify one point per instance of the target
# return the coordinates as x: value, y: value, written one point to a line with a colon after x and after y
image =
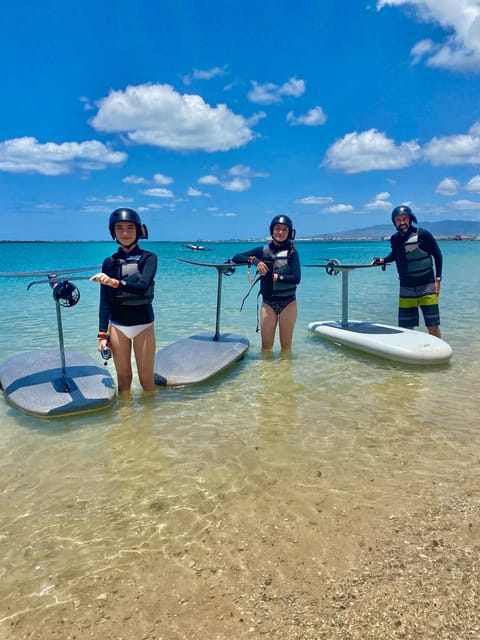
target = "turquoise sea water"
x: 76, y: 493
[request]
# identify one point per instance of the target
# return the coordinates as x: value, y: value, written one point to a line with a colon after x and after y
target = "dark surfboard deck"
x: 33, y: 382
x: 197, y: 358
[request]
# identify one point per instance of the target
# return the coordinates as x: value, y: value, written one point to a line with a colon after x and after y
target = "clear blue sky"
x: 210, y: 117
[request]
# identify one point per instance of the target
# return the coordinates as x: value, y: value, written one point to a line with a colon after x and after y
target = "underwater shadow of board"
x: 201, y: 356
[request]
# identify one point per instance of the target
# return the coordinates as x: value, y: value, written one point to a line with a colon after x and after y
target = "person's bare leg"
x: 434, y: 331
x: 268, y: 325
x: 122, y: 358
x: 287, y: 320
x: 144, y: 349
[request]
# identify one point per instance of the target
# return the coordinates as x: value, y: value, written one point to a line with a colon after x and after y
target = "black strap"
x: 257, y: 279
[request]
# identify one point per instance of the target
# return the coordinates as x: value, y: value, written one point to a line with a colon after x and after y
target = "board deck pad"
x: 395, y: 343
x: 32, y: 381
x: 197, y: 358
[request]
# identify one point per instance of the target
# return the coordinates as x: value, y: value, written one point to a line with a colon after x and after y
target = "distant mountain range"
x: 452, y: 229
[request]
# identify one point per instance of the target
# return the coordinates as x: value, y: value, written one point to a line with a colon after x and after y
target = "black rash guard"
x: 426, y: 244
x: 282, y: 259
x: 131, y: 303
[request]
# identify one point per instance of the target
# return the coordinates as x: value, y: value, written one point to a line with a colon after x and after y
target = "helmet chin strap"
x: 127, y: 246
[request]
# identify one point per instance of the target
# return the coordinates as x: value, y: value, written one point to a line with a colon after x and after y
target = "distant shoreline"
x: 454, y: 238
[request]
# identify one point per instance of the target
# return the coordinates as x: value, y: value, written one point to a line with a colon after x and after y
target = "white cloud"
x: 195, y: 193
x: 313, y: 118
x: 448, y: 187
x: 473, y: 185
x: 49, y: 206
x: 460, y: 19
x: 421, y: 49
x: 246, y: 172
x: 158, y: 205
x: 455, y: 149
x: 134, y: 180
x: 465, y: 205
x: 237, y: 184
x: 156, y: 115
x: 373, y: 150
x: 111, y: 199
x: 157, y: 192
x: 208, y: 180
x: 225, y: 215
x: 241, y: 180
x: 368, y: 151
x: 96, y: 208
x: 27, y: 155
x: 159, y: 178
x: 339, y: 208
x: 380, y: 202
x: 270, y: 93
x: 204, y: 74
x: 86, y: 103
x: 314, y: 200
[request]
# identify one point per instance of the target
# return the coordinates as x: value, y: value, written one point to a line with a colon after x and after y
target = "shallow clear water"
x: 83, y: 493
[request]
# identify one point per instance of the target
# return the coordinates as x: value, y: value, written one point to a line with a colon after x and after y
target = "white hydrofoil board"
x: 197, y: 358
x: 33, y: 382
x: 394, y: 343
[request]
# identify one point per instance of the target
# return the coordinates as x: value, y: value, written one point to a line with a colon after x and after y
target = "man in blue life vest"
x: 416, y: 253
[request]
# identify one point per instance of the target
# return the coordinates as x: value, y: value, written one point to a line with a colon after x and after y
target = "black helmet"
x: 283, y: 220
x: 403, y: 210
x: 127, y: 215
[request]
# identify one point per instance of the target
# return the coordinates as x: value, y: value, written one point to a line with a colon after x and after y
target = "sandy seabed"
x: 326, y: 570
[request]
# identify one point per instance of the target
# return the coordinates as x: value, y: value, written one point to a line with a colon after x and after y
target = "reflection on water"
x: 84, y: 494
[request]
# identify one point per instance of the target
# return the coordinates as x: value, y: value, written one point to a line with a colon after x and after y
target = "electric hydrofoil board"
x: 394, y: 343
x: 199, y: 357
x: 35, y: 382
x: 55, y: 382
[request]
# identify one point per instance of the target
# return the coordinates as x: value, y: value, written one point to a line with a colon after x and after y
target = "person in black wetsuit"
x: 415, y: 252
x: 125, y: 312
x: 278, y: 265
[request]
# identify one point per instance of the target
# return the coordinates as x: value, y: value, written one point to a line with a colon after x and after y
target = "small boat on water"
x: 196, y: 247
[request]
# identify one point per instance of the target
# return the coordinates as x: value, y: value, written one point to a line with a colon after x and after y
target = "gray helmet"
x: 403, y: 210
x: 283, y: 220
x: 127, y: 215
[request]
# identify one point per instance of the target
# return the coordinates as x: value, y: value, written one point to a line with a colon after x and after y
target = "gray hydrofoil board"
x: 199, y: 357
x: 33, y: 381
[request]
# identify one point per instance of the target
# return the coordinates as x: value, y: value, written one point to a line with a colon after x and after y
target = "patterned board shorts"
x: 411, y: 298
